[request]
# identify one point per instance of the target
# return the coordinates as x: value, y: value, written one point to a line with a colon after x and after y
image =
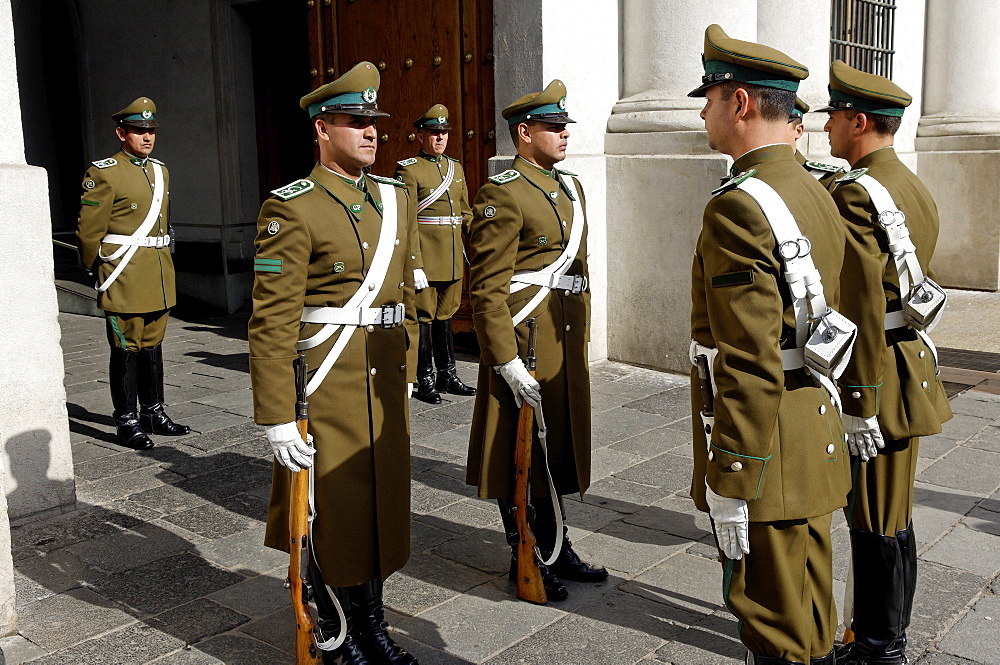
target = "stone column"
x: 958, y: 139
x: 660, y: 174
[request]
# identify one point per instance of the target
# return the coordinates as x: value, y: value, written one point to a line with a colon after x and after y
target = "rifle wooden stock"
x: 299, y: 544
x: 529, y: 577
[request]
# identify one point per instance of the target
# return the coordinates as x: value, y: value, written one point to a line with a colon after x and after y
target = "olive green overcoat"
x: 891, y: 374
x: 778, y: 442
x: 524, y: 224
x: 314, y: 249
x: 117, y: 193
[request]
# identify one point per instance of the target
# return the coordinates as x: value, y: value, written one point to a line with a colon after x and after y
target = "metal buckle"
x: 889, y: 218
x: 578, y: 285
x: 388, y: 318
x: 794, y: 249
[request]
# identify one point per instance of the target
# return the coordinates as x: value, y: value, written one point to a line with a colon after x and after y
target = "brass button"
x: 822, y: 409
x: 401, y: 285
x: 468, y: 56
x: 491, y: 134
x: 411, y: 137
x: 711, y: 455
x: 370, y: 328
x: 830, y: 449
x: 856, y: 395
x: 736, y: 466
x: 408, y: 63
x: 923, y: 384
x: 567, y: 328
x: 330, y: 71
x: 381, y: 65
x: 384, y: 138
x: 371, y: 287
x: 402, y: 368
x: 920, y: 355
x: 469, y: 134
x: 374, y: 371
x: 309, y: 4
x: 437, y: 61
x: 313, y: 72
x: 364, y: 245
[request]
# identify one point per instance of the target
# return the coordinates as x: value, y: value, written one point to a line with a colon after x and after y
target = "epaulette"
x: 157, y: 161
x: 105, y: 163
x: 453, y: 159
x: 851, y: 176
x: 565, y: 172
x: 407, y: 162
x: 388, y: 181
x: 297, y: 188
x: 820, y: 166
x: 735, y: 180
x: 510, y: 175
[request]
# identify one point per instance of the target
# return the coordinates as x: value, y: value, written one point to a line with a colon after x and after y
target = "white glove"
x: 863, y: 436
x: 420, y: 279
x: 289, y: 448
x: 523, y: 384
x: 732, y: 522
x: 409, y: 390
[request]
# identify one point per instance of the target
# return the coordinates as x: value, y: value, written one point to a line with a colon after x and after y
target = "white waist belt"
x: 894, y: 320
x: 576, y: 284
x: 793, y: 359
x: 386, y: 316
x: 146, y: 241
x: 443, y: 221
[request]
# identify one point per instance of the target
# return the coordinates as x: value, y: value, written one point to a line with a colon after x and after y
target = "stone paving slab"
x: 163, y: 561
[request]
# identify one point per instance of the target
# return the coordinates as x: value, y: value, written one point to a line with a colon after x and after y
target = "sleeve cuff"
x: 735, y: 476
x: 860, y: 401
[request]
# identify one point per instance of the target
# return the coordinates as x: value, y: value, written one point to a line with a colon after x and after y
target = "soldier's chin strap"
x: 556, y: 509
x: 334, y: 642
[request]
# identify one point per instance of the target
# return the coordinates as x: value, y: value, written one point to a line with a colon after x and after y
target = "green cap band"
x: 137, y: 116
x: 351, y: 98
x: 749, y: 75
x: 864, y: 105
x: 546, y: 109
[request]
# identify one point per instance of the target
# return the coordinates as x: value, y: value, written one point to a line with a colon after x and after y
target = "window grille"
x: 861, y: 34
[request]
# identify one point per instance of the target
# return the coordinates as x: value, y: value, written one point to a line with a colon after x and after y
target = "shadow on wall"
x: 28, y: 457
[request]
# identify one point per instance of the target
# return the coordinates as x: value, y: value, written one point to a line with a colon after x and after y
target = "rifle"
x: 298, y: 526
x: 529, y: 577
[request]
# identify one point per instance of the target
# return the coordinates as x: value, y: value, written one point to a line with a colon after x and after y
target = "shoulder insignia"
x: 851, y: 176
x: 387, y: 181
x: 105, y: 163
x: 510, y: 175
x: 820, y: 166
x: 297, y: 188
x: 565, y: 172
x: 452, y: 159
x: 407, y: 162
x: 156, y: 161
x: 735, y: 180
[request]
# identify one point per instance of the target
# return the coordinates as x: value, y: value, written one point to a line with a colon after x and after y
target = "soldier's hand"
x: 289, y: 448
x: 521, y: 383
x: 420, y: 279
x: 864, y: 437
x: 732, y: 522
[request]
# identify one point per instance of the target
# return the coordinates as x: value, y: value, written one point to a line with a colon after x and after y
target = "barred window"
x: 861, y: 33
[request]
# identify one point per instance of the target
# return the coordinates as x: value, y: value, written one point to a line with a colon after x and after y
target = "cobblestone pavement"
x: 162, y: 561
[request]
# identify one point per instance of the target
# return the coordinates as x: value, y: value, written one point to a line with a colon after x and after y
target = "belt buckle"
x: 387, y: 319
x: 578, y: 285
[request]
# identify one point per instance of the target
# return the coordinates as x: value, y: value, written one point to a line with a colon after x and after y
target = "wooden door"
x: 427, y: 53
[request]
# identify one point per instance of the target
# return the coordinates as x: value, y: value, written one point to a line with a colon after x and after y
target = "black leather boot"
x: 425, y: 390
x: 828, y: 659
x: 908, y: 551
x: 554, y: 588
x: 568, y: 565
x: 348, y: 653
x: 369, y: 620
x: 152, y: 417
x: 878, y: 602
x: 122, y: 374
x: 444, y: 358
x: 753, y: 659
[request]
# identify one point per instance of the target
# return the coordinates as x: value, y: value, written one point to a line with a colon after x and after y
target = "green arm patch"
x: 387, y: 181
x: 267, y: 265
x: 85, y: 202
x: 732, y: 278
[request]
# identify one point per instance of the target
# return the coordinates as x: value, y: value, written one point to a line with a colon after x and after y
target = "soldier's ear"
x: 120, y: 131
x: 322, y: 133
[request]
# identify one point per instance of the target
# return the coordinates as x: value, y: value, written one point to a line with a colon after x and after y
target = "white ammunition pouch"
x: 358, y: 311
x: 553, y: 276
x: 128, y: 245
x: 826, y: 337
x: 923, y: 300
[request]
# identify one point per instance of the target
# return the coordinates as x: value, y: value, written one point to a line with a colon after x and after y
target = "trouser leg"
x: 425, y: 390
x: 554, y: 588
x: 444, y: 358
x: 782, y: 592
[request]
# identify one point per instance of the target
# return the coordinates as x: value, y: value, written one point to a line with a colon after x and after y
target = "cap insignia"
x: 562, y: 103
x: 369, y: 95
x: 147, y: 114
x: 442, y: 119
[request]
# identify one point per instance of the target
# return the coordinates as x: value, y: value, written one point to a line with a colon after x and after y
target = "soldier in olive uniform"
x: 124, y: 240
x: 774, y: 465
x: 437, y: 183
x: 333, y: 279
x: 892, y: 391
x: 822, y: 172
x: 530, y: 238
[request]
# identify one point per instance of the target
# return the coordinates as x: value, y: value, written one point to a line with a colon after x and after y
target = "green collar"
x: 135, y: 160
x: 358, y: 184
x: 431, y: 158
x: 551, y: 174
